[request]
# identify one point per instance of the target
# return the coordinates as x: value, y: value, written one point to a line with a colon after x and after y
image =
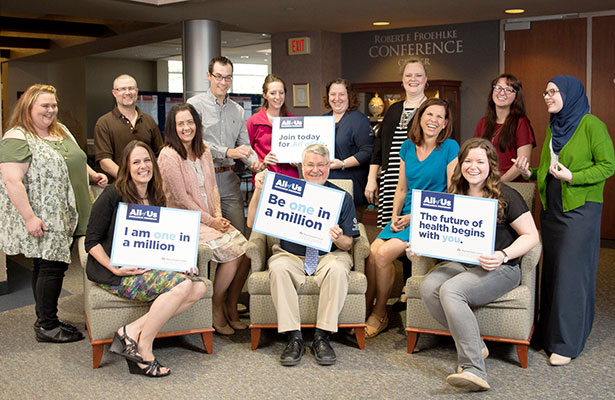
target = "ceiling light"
x: 245, y: 56
x: 381, y: 23
x: 514, y: 11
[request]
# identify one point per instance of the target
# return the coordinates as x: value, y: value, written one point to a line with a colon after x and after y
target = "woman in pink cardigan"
x: 189, y: 182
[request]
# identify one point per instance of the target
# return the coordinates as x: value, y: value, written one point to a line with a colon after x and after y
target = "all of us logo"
x: 437, y: 200
x: 288, y: 185
x: 291, y: 122
x: 139, y: 212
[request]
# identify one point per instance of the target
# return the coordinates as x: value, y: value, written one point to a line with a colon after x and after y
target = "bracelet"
x: 343, y: 165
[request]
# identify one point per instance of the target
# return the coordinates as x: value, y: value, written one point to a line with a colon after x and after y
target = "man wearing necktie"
x: 291, y: 263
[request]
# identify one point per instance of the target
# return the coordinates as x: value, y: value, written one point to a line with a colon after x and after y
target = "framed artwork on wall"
x: 301, y: 95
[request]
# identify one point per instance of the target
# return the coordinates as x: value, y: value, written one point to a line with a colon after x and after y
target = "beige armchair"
x: 509, y: 318
x: 262, y: 311
x: 105, y: 312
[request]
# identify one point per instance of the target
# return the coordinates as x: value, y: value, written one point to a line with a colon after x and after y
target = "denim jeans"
x: 451, y: 290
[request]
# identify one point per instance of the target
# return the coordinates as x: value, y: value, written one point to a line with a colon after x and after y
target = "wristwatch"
x: 343, y: 165
x: 505, y: 257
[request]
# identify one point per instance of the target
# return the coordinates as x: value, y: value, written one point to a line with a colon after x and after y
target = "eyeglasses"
x: 319, y: 166
x: 125, y: 89
x: 219, y: 78
x: 550, y: 92
x: 508, y: 91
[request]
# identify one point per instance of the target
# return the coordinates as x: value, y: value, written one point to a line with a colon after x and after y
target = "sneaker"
x: 294, y: 350
x: 323, y: 351
x: 469, y: 381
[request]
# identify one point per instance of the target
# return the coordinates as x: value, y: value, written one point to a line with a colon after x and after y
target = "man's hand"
x: 242, y: 151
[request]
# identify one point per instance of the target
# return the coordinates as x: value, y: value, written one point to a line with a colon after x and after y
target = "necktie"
x: 311, y: 260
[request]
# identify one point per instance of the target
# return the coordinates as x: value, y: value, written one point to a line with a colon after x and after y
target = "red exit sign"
x: 300, y: 45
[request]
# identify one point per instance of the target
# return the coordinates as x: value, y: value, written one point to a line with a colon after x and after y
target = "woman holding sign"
x: 189, y: 182
x: 577, y: 157
x: 353, y: 139
x: 427, y: 161
x: 452, y: 289
x: 260, y: 125
x: 170, y: 293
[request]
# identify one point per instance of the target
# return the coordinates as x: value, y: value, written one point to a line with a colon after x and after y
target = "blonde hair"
x: 22, y: 114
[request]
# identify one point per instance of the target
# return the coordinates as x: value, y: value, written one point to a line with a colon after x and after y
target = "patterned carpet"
x: 31, y: 370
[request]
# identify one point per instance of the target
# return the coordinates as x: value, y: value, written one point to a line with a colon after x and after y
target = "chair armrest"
x: 421, y: 265
x: 204, y: 257
x: 360, y: 249
x: 257, y: 251
x: 78, y: 253
x: 529, y: 262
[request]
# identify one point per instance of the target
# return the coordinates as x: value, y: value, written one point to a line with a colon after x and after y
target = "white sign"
x: 452, y: 227
x: 298, y: 211
x: 155, y: 237
x: 290, y: 135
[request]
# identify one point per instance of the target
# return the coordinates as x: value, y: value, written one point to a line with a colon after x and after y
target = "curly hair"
x: 491, y: 188
x: 353, y: 100
x: 268, y: 80
x: 171, y: 137
x: 126, y: 187
x: 22, y: 114
x: 507, y: 136
x: 416, y: 131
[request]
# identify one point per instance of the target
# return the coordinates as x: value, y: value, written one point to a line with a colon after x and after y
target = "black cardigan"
x: 384, y: 139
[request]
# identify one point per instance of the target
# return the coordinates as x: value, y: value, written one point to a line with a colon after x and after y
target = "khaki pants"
x: 286, y: 274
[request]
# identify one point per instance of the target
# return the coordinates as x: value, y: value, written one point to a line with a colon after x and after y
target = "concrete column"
x: 201, y: 43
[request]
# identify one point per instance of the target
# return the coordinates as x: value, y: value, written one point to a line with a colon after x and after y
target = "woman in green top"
x: 44, y: 201
x: 577, y: 157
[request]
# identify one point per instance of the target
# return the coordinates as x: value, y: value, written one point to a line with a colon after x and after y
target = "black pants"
x: 47, y: 277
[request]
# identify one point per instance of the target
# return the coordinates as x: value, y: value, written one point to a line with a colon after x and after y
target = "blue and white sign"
x: 451, y: 226
x: 155, y: 237
x: 298, y: 211
x: 290, y: 135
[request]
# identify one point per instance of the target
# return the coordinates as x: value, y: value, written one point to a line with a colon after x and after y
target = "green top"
x: 588, y: 155
x: 17, y: 150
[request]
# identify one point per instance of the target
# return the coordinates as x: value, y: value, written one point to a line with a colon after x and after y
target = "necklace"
x: 407, y: 113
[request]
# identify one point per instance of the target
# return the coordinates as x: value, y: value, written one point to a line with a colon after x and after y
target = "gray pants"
x: 451, y: 290
x: 231, y: 200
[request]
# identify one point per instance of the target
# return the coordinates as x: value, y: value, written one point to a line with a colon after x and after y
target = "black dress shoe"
x: 56, y: 335
x: 293, y: 352
x: 65, y: 325
x: 323, y: 351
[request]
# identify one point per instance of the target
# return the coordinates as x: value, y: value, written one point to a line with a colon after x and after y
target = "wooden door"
x: 603, y: 102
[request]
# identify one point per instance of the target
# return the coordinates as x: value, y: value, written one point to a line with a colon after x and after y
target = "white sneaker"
x: 467, y: 380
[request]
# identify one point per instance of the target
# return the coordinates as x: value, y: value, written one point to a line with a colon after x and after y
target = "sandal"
x: 151, y: 369
x: 126, y: 347
x: 375, y: 324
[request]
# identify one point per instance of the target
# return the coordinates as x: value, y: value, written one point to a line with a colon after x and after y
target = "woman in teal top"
x: 44, y: 201
x: 577, y: 157
x: 427, y: 162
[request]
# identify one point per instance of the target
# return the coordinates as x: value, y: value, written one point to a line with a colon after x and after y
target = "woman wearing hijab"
x: 577, y: 157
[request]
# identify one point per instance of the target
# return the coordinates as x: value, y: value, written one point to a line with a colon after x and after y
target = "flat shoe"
x: 375, y: 325
x: 556, y: 360
x: 56, y: 335
x: 224, y: 330
x: 467, y: 380
x: 236, y: 325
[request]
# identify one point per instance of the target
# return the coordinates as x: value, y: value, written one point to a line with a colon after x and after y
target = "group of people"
x: 45, y: 204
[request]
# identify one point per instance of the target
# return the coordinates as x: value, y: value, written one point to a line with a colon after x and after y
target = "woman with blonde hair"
x: 44, y: 201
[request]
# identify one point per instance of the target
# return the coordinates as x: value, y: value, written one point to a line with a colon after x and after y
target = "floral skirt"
x: 229, y: 247
x: 148, y: 286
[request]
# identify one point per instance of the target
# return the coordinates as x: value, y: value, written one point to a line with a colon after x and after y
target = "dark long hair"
x: 507, y: 136
x: 268, y: 80
x: 171, y: 138
x: 492, y: 189
x: 126, y: 187
x: 416, y: 131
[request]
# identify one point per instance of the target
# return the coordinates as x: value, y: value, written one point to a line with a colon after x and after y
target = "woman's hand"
x: 192, y: 271
x: 371, y: 191
x: 220, y: 224
x: 259, y: 180
x: 270, y: 159
x: 560, y: 172
x: 130, y: 271
x: 491, y: 262
x: 523, y: 165
x: 400, y: 222
x: 335, y: 164
x: 409, y: 251
x: 35, y: 226
x: 100, y: 179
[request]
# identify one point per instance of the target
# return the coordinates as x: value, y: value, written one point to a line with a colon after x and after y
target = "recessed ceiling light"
x: 514, y: 11
x: 245, y: 56
x: 381, y: 23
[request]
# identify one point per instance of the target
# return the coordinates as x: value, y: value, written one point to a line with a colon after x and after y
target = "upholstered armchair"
x: 509, y: 318
x: 262, y: 310
x: 105, y: 312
